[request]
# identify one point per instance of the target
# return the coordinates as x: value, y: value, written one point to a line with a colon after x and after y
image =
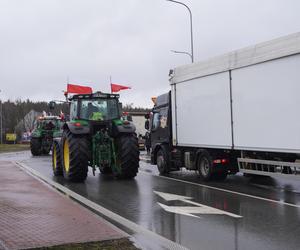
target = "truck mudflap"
x: 269, y: 168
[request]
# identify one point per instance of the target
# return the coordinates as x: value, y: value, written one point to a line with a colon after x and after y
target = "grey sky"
x: 44, y: 41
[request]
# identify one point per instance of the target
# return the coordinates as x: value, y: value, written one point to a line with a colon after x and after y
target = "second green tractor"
x: 95, y: 136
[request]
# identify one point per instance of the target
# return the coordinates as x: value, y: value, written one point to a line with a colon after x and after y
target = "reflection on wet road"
x: 263, y: 224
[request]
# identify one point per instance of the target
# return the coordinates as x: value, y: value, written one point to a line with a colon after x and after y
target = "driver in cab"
x: 94, y: 112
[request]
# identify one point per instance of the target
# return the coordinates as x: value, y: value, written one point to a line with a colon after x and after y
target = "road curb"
x: 139, y: 231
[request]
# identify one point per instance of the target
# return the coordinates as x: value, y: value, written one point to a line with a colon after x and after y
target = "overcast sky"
x: 45, y: 42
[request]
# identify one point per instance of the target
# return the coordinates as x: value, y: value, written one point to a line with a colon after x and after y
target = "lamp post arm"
x: 183, y: 52
x: 191, y: 25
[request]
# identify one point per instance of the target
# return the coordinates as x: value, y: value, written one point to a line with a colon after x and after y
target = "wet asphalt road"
x: 269, y: 219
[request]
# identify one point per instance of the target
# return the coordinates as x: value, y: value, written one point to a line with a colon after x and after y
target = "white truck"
x: 238, y: 112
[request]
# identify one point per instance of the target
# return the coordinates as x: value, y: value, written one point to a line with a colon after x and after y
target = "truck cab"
x: 161, y: 133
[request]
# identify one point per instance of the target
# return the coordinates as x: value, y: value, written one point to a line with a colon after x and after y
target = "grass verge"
x: 120, y: 244
x: 4, y: 148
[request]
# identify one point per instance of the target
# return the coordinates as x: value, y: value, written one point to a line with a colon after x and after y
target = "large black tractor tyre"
x: 127, y: 156
x: 163, y: 162
x: 75, y: 153
x: 205, y: 166
x: 36, y: 146
x: 56, y: 159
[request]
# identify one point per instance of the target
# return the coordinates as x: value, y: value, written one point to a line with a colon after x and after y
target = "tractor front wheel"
x: 74, y: 157
x: 35, y: 146
x: 127, y: 156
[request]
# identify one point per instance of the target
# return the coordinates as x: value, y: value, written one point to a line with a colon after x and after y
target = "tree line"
x: 14, y: 113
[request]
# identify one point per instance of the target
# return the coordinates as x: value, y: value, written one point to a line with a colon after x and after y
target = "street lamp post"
x: 191, y: 27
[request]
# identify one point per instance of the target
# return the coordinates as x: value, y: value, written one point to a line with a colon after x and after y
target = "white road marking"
x: 223, y: 190
x: 153, y: 237
x: 188, y: 211
x: 198, y: 208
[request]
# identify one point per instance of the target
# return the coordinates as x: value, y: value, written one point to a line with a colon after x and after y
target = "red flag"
x: 77, y: 89
x: 117, y: 88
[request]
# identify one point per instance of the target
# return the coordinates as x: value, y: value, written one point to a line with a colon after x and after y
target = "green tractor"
x: 42, y: 135
x: 95, y: 136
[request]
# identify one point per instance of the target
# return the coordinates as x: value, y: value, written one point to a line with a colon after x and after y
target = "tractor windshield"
x: 99, y: 109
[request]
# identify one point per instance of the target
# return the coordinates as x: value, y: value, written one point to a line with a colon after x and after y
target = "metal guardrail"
x: 269, y: 168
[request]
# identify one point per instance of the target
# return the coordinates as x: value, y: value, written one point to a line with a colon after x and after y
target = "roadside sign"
x: 11, y: 137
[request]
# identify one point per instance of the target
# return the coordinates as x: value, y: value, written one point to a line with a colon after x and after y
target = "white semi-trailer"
x: 235, y: 112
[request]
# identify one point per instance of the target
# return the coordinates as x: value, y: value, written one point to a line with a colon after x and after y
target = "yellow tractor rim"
x: 54, y: 156
x: 66, y: 156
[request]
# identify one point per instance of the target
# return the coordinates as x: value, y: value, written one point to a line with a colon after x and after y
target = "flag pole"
x: 110, y: 85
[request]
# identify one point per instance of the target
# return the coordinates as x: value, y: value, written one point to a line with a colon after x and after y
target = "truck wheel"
x: 127, y: 156
x: 162, y: 160
x: 56, y: 160
x: 205, y: 166
x: 35, y: 146
x: 74, y: 157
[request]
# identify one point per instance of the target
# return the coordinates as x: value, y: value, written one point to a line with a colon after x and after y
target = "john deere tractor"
x: 95, y: 136
x: 42, y: 135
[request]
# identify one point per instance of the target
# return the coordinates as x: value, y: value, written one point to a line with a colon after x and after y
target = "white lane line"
x: 153, y: 237
x: 223, y: 190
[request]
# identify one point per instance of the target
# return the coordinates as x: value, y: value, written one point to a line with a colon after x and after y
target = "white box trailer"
x: 246, y: 102
x: 248, y: 99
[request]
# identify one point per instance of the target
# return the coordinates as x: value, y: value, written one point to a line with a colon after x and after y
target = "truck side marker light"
x: 220, y: 161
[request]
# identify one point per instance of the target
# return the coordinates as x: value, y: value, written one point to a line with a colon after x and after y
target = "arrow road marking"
x: 189, y: 211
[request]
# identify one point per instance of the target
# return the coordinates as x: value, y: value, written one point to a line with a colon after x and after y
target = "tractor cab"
x: 48, y: 123
x: 95, y: 107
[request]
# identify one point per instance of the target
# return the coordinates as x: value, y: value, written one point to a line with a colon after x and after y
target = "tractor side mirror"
x: 147, y: 124
x: 52, y: 105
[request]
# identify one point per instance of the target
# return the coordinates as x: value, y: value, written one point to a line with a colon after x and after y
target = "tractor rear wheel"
x: 56, y: 159
x: 75, y: 153
x: 128, y: 155
x: 35, y: 146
